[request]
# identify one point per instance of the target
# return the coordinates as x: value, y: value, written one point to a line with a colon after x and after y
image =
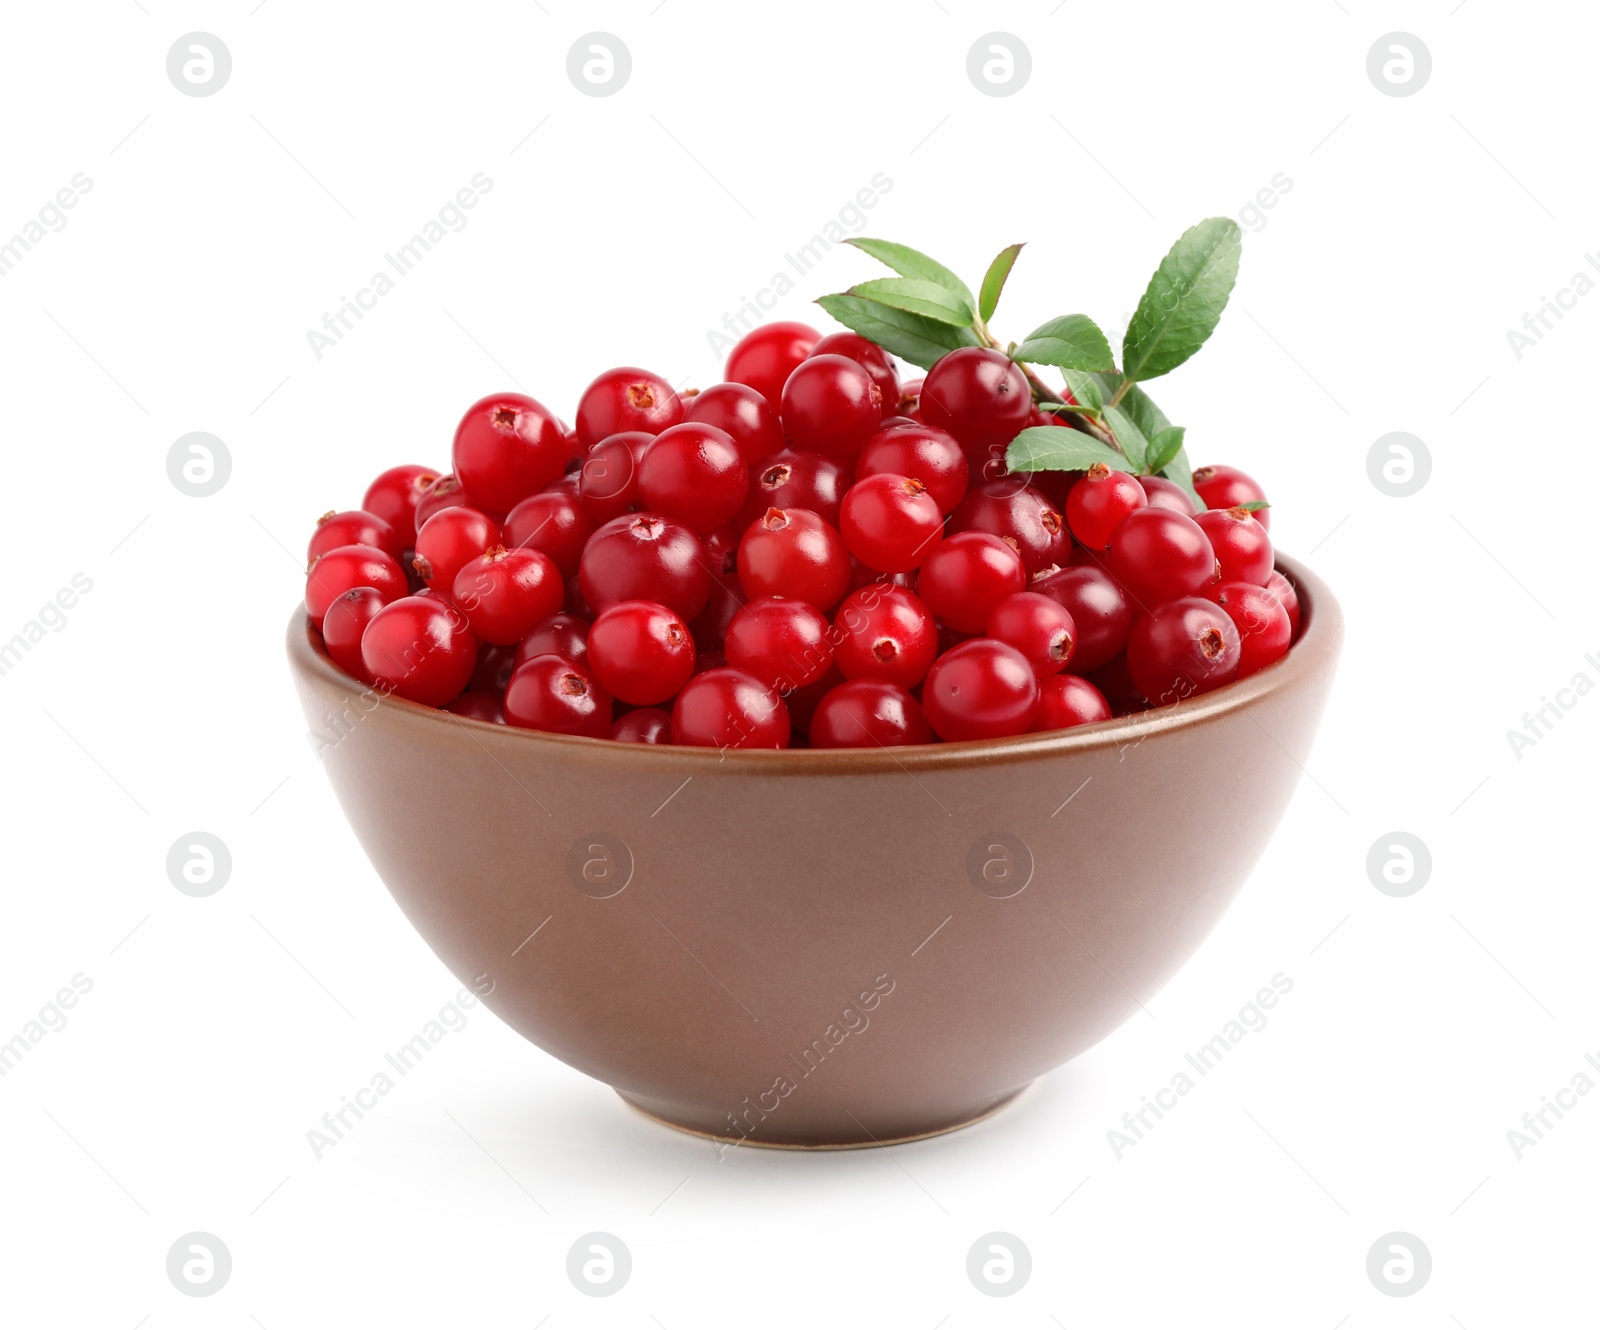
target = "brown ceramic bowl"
x: 821, y: 949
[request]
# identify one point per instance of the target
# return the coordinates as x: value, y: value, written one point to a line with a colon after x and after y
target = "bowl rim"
x: 1321, y: 625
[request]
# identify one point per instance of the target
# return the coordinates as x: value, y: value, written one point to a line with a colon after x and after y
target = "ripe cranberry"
x: 885, y: 633
x: 695, y: 474
x: 861, y: 575
x: 449, y: 541
x: 1099, y: 608
x: 1019, y: 515
x: 791, y: 479
x: 553, y: 522
x: 552, y: 694
x: 868, y: 713
x: 507, y: 447
x: 748, y: 418
x: 575, y: 603
x: 478, y: 704
x: 1117, y: 687
x: 1181, y: 649
x: 792, y: 552
x: 344, y: 623
x: 445, y: 492
x: 645, y: 557
x: 1097, y: 504
x: 345, y: 568
x: 564, y: 635
x: 1037, y: 626
x: 1228, y: 487
x: 832, y: 406
x: 710, y: 626
x: 727, y: 708
x: 643, y: 725
x: 1164, y: 493
x: 1262, y: 621
x: 608, y: 483
x: 890, y: 523
x: 493, y: 670
x: 641, y: 652
x: 393, y: 497
x: 921, y: 452
x: 783, y: 643
x: 967, y: 576
x: 1069, y: 699
x: 871, y: 357
x: 1159, y: 555
x: 421, y: 648
x: 1242, y: 547
x: 1283, y: 589
x: 910, y: 398
x: 764, y: 358
x: 979, y: 396
x: 982, y: 689
x: 626, y: 399
x: 504, y: 593
x: 353, y: 528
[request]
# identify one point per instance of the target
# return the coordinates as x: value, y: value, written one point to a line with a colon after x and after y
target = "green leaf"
x: 1089, y: 389
x: 1076, y: 408
x: 1073, y: 341
x: 909, y: 263
x: 1164, y: 446
x: 1179, y: 472
x: 1254, y: 506
x: 1145, y: 413
x: 994, y: 281
x: 916, y: 295
x: 1184, y: 300
x: 1130, y: 438
x: 1051, y: 448
x: 909, y: 336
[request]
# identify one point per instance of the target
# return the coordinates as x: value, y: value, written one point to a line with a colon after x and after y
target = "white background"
x: 1376, y: 297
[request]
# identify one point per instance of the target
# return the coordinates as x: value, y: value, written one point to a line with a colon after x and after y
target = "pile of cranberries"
x: 812, y: 553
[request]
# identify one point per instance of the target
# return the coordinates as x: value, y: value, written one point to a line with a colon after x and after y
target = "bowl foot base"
x: 851, y: 1138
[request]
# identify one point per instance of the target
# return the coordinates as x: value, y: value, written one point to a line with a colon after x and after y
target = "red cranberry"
x: 1228, y: 487
x: 1283, y: 589
x: 885, y: 633
x: 393, y: 497
x: 871, y: 357
x: 967, y: 576
x: 478, y: 704
x: 493, y: 670
x: 1159, y: 555
x: 564, y: 635
x: 783, y: 643
x: 910, y: 397
x: 982, y: 689
x: 626, y: 399
x: 344, y: 623
x: 608, y: 484
x: 791, y: 479
x: 1037, y: 626
x: 747, y: 417
x: 345, y: 568
x: 1262, y: 621
x: 445, y: 492
x: 890, y: 523
x: 1242, y: 547
x: 641, y: 652
x: 921, y: 452
x: 505, y: 593
x: 694, y: 474
x: 792, y: 552
x: 421, y: 648
x: 449, y: 541
x: 764, y: 358
x: 645, y: 557
x: 832, y: 406
x: 507, y: 447
x: 643, y: 725
x: 1181, y: 649
x: 353, y: 528
x: 1099, y: 608
x: 727, y: 708
x: 554, y: 523
x: 868, y: 713
x: 979, y: 396
x: 1097, y: 504
x: 1164, y: 493
x: 1020, y: 516
x: 552, y: 694
x: 1069, y: 699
